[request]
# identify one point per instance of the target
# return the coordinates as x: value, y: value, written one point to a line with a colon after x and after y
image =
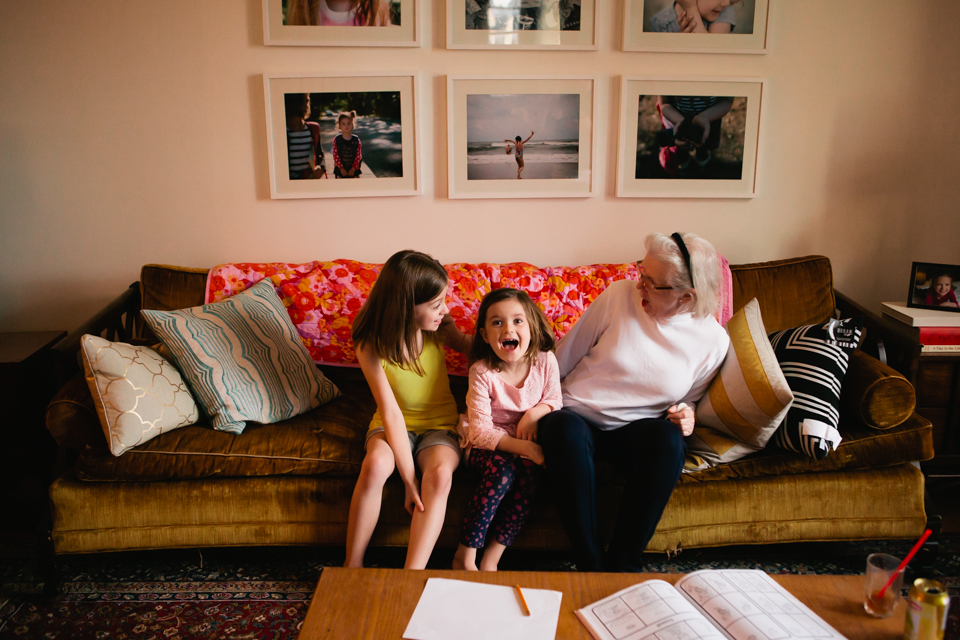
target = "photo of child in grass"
x: 496, y: 150
x: 341, y: 13
x: 358, y: 134
x: 691, y: 137
x: 698, y: 16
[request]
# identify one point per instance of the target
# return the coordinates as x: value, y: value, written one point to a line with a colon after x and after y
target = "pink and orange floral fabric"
x: 323, y: 298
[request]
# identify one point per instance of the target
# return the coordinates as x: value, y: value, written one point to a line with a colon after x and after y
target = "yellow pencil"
x: 523, y: 601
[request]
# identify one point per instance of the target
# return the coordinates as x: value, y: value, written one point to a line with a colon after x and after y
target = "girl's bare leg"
x: 437, y: 464
x: 377, y: 466
x: 492, y: 553
x: 519, y: 169
x: 465, y: 559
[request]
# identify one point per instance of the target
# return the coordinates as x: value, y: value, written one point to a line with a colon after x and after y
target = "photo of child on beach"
x: 934, y: 286
x: 523, y: 136
x: 344, y: 135
x: 341, y: 13
x: 698, y: 16
x: 523, y: 15
x: 691, y: 137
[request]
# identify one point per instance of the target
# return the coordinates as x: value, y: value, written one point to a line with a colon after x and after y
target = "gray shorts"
x: 424, y: 440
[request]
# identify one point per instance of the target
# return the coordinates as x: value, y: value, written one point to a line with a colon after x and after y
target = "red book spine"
x: 939, y: 335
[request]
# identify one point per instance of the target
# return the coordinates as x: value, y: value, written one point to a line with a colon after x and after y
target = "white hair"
x: 705, y: 285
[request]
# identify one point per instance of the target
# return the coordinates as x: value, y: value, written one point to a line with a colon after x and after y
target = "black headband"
x: 686, y: 254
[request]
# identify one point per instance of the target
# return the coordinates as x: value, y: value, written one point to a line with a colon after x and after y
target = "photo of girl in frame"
x: 934, y: 286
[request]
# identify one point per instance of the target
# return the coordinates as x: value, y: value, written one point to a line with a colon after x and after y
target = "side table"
x: 26, y: 385
x: 937, y: 383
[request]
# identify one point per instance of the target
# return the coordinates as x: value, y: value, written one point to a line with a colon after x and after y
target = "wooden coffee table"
x: 378, y: 603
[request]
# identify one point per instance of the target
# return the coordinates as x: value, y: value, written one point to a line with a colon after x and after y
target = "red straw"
x: 903, y: 564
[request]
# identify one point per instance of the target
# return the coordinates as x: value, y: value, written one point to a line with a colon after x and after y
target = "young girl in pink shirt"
x: 514, y: 381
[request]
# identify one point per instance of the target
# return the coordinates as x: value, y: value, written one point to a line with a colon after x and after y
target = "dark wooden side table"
x: 26, y: 385
x: 937, y: 383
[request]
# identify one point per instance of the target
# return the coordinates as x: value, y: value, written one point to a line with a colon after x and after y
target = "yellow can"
x: 927, y: 605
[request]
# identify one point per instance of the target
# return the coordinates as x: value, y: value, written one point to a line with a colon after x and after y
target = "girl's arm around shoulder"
x: 480, y: 430
x: 451, y: 335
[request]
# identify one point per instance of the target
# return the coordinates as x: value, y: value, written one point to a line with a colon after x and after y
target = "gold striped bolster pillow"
x: 748, y: 398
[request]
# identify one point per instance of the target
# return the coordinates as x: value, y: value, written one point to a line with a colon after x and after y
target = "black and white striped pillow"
x: 814, y: 361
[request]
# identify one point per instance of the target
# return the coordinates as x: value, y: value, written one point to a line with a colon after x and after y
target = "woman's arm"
x: 394, y: 426
x: 582, y: 336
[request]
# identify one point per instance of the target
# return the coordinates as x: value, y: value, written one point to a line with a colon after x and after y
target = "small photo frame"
x: 520, y: 136
x: 522, y: 24
x: 681, y: 26
x: 369, y: 23
x: 934, y: 286
x: 690, y: 138
x: 332, y: 136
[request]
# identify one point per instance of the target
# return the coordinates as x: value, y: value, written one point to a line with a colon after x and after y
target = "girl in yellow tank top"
x: 398, y: 335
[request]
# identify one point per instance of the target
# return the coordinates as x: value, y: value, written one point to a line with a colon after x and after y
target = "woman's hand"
x: 682, y: 416
x: 411, y: 496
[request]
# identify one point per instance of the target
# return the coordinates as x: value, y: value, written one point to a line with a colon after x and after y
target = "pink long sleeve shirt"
x: 494, y: 407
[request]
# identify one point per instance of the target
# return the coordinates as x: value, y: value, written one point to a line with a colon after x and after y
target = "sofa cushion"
x: 243, y: 359
x: 815, y: 359
x: 862, y: 448
x: 138, y: 393
x: 327, y: 440
x: 747, y: 399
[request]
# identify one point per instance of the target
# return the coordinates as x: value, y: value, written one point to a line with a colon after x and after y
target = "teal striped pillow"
x: 243, y: 359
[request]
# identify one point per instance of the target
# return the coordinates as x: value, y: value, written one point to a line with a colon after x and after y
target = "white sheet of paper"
x: 456, y: 609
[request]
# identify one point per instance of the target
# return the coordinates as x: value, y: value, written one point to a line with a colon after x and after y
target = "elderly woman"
x: 638, y: 354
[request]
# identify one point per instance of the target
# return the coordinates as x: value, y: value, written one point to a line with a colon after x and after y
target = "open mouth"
x: 510, y: 345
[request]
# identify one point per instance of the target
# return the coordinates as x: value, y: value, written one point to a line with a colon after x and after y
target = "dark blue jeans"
x: 648, y: 453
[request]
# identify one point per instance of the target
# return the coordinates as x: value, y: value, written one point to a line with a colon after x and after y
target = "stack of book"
x: 937, y: 331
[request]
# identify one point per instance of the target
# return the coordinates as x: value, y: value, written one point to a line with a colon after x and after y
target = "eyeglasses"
x: 647, y: 281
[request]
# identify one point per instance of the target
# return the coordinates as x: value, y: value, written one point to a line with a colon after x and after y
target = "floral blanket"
x: 323, y: 298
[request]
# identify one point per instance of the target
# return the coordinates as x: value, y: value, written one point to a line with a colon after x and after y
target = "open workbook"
x: 713, y: 603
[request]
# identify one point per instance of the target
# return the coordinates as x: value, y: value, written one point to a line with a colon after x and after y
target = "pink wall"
x: 133, y: 132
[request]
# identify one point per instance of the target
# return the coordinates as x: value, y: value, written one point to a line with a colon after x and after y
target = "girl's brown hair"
x: 386, y: 321
x: 373, y: 13
x: 541, y: 335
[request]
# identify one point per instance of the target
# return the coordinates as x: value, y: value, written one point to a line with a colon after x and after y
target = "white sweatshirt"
x: 618, y: 365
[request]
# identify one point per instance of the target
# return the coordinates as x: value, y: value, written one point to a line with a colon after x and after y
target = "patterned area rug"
x: 255, y: 593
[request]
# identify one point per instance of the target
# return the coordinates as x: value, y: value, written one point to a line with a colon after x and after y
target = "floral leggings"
x: 508, y: 482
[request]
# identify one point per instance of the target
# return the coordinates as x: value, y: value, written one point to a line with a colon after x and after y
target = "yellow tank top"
x: 425, y: 401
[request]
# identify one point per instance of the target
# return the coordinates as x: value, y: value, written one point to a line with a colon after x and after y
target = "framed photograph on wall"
x: 718, y: 26
x: 340, y: 136
x: 691, y: 138
x: 522, y: 24
x: 342, y: 23
x: 520, y: 137
x: 934, y: 286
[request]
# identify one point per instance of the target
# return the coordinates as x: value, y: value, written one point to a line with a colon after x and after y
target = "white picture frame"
x: 406, y: 34
x: 401, y: 88
x: 557, y: 165
x: 643, y: 167
x: 639, y: 36
x: 507, y: 20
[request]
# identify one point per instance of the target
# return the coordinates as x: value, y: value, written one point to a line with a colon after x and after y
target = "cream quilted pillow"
x: 138, y: 393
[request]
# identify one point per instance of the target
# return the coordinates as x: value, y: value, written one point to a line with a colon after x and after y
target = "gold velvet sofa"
x: 290, y: 483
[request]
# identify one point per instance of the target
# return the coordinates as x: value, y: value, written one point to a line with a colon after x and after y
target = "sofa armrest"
x: 874, y: 394
x: 118, y: 321
x: 888, y: 340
